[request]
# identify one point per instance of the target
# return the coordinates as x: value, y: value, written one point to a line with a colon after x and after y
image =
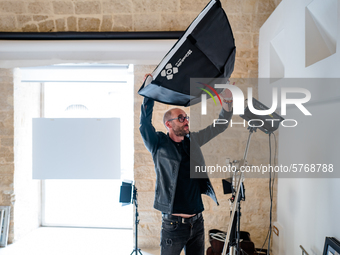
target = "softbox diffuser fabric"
x: 205, y: 50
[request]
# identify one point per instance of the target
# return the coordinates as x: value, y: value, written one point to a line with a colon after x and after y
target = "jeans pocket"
x: 169, y: 225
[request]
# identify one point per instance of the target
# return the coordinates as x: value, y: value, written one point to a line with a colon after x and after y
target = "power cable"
x: 271, y: 192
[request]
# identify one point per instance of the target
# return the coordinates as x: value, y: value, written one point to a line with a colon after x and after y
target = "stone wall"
x: 130, y: 15
x: 7, y: 142
x: 245, y: 16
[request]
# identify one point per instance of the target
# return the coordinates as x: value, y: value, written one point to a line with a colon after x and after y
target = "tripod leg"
x: 140, y: 252
x: 231, y: 221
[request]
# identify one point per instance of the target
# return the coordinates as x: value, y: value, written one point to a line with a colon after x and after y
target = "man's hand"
x: 145, y: 100
x: 227, y: 99
x: 147, y: 75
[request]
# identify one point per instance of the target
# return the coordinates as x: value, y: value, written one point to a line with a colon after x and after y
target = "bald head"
x: 172, y: 113
x: 168, y: 115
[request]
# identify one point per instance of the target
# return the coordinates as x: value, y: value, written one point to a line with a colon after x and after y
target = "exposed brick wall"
x: 129, y: 15
x: 7, y: 142
x: 246, y: 17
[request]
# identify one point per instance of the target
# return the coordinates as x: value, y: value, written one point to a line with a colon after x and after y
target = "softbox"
x: 205, y: 50
x: 125, y: 193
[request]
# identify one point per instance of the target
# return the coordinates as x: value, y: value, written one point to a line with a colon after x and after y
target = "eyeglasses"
x: 180, y: 118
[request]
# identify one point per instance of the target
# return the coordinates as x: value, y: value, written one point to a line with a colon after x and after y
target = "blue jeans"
x: 176, y: 235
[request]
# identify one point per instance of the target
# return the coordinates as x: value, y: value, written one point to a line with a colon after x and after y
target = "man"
x: 178, y: 196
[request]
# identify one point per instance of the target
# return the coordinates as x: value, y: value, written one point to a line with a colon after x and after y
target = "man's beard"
x: 180, y: 131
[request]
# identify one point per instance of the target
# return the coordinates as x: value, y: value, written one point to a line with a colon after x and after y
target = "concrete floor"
x: 74, y: 241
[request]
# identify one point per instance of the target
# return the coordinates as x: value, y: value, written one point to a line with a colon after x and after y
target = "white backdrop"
x: 76, y: 148
x: 307, y: 208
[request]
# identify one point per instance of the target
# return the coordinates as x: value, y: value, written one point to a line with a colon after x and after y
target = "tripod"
x: 237, y: 206
x: 134, y: 198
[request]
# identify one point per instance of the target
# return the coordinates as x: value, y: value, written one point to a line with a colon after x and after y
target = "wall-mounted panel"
x: 320, y: 30
x: 76, y: 148
x: 277, y: 52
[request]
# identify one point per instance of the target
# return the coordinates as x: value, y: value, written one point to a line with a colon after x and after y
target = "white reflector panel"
x: 78, y: 148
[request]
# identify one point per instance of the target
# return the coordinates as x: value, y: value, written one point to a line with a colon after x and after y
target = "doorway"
x: 87, y: 91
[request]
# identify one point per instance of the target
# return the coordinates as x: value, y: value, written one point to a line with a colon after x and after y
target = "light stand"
x: 136, y: 250
x: 268, y: 124
x: 125, y: 197
x: 237, y: 205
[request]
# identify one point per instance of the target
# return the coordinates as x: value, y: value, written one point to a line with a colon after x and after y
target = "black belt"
x: 181, y: 219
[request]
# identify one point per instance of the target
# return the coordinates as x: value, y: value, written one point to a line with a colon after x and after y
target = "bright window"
x: 88, y: 91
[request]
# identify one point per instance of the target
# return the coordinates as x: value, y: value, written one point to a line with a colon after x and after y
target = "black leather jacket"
x: 167, y: 158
